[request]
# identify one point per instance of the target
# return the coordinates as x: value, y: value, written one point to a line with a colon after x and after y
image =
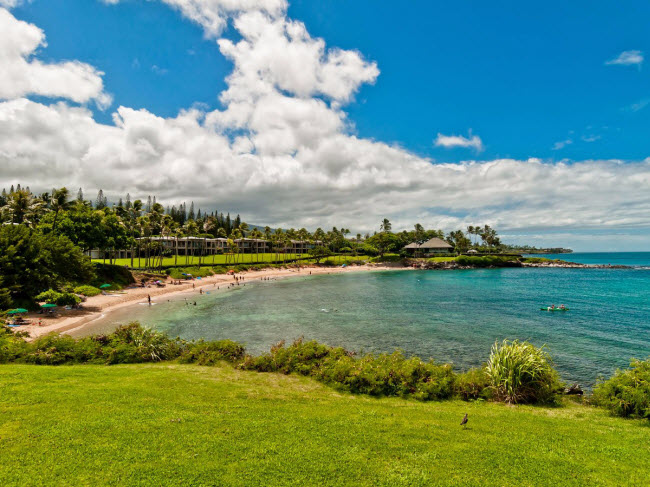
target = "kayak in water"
x: 553, y: 309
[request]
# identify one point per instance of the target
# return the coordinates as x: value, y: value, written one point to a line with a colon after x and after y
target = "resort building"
x: 434, y: 246
x: 108, y: 254
x: 199, y: 246
x: 211, y: 246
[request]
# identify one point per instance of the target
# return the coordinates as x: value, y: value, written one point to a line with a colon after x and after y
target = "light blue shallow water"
x: 451, y: 316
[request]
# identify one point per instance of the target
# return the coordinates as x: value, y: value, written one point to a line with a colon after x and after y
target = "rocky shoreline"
x: 452, y: 265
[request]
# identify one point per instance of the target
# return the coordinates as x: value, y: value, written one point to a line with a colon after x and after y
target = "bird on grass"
x: 463, y: 423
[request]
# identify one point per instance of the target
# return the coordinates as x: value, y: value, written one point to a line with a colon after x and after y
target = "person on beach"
x: 149, y: 299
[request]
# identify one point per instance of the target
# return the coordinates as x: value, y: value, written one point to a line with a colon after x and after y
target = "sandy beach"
x: 98, y: 306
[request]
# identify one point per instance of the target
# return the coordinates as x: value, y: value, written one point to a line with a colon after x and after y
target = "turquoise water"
x: 637, y: 259
x: 451, y: 316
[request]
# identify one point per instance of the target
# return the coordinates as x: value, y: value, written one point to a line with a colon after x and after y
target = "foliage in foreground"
x: 626, y: 394
x: 31, y: 262
x: 376, y: 375
x: 519, y: 372
x: 524, y: 372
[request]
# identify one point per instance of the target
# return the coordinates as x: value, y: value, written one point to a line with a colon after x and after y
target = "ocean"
x: 449, y: 316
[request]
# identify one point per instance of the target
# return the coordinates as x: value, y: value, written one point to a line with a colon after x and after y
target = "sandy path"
x: 98, y: 306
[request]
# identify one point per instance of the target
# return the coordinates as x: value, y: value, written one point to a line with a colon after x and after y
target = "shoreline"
x: 97, y: 307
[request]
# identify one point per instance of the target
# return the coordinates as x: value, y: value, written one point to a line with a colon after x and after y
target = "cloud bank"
x: 282, y: 150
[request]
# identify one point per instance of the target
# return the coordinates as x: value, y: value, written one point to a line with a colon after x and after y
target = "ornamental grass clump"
x: 519, y: 372
x: 626, y: 394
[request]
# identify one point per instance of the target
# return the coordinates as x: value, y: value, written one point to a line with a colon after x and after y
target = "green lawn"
x: 230, y: 260
x: 170, y: 424
x: 209, y: 260
x: 442, y: 259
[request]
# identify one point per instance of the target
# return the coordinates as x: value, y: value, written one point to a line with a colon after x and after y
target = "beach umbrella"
x: 48, y: 305
x: 183, y: 274
x: 17, y: 310
x: 104, y: 286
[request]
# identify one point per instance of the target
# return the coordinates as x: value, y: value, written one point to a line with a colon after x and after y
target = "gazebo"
x: 432, y: 246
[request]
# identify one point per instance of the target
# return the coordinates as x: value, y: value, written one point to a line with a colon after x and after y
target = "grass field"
x: 228, y: 260
x: 170, y: 424
x: 209, y: 260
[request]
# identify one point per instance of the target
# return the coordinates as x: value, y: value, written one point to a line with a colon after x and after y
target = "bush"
x: 60, y: 299
x: 211, y: 353
x: 52, y: 349
x: 116, y: 275
x: 67, y: 299
x: 520, y: 372
x: 87, y: 291
x: 49, y: 296
x: 12, y: 346
x: 376, y: 375
x: 626, y: 394
x: 487, y: 261
x: 473, y: 384
x: 388, y: 258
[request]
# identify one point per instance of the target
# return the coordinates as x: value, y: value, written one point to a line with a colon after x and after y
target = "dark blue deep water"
x: 451, y: 316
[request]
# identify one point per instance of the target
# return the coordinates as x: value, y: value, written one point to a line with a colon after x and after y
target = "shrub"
x: 376, y: 375
x: 473, y: 384
x: 520, y: 372
x: 52, y: 349
x: 87, y: 291
x: 60, y: 299
x: 49, y: 296
x: 67, y: 299
x: 211, y: 353
x: 626, y: 394
x: 117, y: 275
x: 12, y: 346
x: 487, y: 260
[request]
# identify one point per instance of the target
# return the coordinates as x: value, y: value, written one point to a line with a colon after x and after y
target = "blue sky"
x: 521, y: 77
x: 342, y: 112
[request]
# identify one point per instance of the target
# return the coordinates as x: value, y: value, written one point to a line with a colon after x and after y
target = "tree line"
x: 94, y: 224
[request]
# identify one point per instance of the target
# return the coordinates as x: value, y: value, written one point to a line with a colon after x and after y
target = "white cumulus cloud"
x: 21, y: 74
x: 452, y: 141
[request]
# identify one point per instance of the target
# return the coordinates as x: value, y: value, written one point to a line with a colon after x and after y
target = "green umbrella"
x: 104, y: 286
x: 48, y: 305
x: 17, y: 310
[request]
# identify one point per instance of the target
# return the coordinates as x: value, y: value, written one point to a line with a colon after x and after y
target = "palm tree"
x: 385, y: 226
x: 23, y: 207
x: 58, y: 202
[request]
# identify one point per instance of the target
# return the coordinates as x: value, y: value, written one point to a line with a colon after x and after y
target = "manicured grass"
x: 442, y: 259
x: 170, y: 424
x: 209, y: 260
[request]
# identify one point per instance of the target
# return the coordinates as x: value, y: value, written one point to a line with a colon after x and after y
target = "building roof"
x: 434, y: 243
